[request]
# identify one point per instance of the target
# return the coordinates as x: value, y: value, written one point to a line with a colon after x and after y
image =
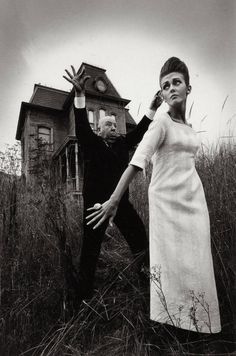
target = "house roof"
x: 97, y: 73
x: 48, y: 97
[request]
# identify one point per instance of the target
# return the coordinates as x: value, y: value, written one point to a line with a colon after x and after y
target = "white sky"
x: 131, y: 39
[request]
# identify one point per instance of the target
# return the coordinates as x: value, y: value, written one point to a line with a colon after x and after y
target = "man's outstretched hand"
x: 77, y: 80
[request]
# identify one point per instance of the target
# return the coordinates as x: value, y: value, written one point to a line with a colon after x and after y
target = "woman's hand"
x: 156, y: 101
x: 102, y: 212
x: 78, y: 80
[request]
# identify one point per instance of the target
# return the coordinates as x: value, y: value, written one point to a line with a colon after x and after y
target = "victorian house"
x: 46, y: 125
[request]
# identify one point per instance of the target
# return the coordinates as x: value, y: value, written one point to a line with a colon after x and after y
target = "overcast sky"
x: 131, y: 39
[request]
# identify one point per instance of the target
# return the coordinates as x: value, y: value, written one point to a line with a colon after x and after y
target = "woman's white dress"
x: 183, y: 291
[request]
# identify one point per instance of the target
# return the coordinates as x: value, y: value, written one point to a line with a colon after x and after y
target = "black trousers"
x: 130, y: 225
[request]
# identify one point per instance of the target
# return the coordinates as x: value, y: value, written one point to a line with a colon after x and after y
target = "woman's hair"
x: 174, y: 64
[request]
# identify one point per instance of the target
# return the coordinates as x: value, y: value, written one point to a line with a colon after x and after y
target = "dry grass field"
x: 40, y: 238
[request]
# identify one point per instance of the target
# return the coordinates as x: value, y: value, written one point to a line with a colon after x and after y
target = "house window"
x: 91, y: 119
x: 102, y: 113
x: 45, y: 137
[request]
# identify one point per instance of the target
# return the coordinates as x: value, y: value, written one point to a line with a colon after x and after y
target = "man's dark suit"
x: 103, y: 167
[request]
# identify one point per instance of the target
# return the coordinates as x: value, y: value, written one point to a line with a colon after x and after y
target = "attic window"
x: 100, y: 84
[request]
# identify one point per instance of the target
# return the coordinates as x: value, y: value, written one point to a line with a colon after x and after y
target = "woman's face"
x: 174, y: 89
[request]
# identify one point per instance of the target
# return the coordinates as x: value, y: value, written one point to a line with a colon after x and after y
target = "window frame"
x: 93, y: 123
x: 99, y: 112
x: 47, y: 145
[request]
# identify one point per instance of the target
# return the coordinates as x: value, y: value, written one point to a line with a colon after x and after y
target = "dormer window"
x: 100, y: 84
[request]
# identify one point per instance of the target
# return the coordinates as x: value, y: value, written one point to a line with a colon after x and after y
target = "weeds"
x: 41, y: 233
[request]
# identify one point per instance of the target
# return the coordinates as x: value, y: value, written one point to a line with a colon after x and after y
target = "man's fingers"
x: 69, y: 80
x: 86, y: 78
x: 82, y: 72
x: 159, y: 94
x: 68, y: 73
x: 73, y: 70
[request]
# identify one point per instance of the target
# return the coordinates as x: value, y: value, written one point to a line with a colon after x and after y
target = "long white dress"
x: 183, y: 291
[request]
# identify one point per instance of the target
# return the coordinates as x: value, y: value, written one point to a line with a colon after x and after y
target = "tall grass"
x: 41, y: 235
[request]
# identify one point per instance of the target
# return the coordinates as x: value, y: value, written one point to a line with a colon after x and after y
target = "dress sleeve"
x: 152, y: 140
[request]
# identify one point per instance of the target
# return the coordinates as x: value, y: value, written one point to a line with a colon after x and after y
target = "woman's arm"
x: 109, y: 208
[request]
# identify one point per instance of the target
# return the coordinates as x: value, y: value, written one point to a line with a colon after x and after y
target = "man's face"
x: 108, y: 129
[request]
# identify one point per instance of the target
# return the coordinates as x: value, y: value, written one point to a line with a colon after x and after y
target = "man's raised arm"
x: 135, y: 136
x: 83, y: 130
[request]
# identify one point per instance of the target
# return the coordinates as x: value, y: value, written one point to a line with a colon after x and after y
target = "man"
x: 105, y: 158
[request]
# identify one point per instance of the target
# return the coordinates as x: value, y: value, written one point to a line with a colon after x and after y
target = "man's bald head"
x: 108, y: 128
x: 105, y: 119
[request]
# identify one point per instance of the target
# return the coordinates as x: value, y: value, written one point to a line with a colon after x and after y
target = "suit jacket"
x: 103, y: 164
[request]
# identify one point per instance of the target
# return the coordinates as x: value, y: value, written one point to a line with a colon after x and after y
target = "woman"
x: 183, y: 291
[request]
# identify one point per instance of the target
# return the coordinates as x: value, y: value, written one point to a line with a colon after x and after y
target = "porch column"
x: 60, y: 167
x: 67, y: 167
x: 76, y: 167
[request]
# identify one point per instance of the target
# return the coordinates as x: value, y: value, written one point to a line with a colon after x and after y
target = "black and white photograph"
x: 117, y: 177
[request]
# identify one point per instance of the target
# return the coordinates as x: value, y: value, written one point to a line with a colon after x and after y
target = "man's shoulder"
x: 121, y: 139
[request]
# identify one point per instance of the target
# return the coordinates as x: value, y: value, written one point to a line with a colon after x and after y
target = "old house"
x: 46, y: 125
